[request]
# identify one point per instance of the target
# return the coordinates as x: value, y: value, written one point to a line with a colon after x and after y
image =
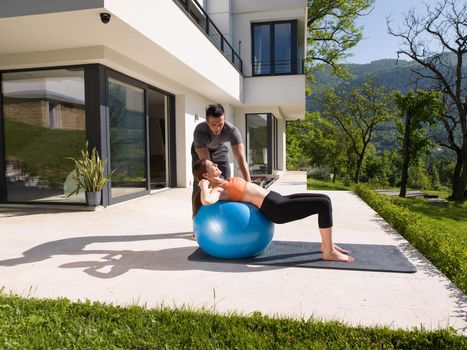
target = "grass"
x: 451, y: 218
x: 314, y: 184
x: 61, y: 324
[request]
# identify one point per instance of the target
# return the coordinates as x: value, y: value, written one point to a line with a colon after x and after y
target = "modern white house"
x: 134, y: 78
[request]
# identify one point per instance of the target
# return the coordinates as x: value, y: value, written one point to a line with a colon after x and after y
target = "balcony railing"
x: 196, y: 12
x: 278, y: 67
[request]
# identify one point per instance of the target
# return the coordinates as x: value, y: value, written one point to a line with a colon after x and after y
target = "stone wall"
x: 44, y: 113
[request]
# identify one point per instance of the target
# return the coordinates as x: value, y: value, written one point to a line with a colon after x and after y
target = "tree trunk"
x: 334, y: 174
x: 357, y: 171
x: 406, y: 154
x: 458, y: 183
x: 464, y: 166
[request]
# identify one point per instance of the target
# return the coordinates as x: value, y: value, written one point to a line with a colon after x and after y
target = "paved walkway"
x: 136, y: 253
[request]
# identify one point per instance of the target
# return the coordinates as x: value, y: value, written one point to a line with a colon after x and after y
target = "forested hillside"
x: 395, y: 75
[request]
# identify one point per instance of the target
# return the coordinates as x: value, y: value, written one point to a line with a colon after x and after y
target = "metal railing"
x: 196, y: 12
x: 278, y: 67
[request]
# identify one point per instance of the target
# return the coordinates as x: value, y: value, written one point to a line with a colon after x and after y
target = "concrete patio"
x: 136, y: 253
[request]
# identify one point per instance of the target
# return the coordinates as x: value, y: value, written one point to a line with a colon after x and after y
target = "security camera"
x: 105, y: 17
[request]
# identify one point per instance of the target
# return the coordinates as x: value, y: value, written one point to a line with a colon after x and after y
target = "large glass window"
x: 274, y: 48
x: 44, y: 123
x: 127, y: 122
x: 257, y: 143
x: 261, y: 143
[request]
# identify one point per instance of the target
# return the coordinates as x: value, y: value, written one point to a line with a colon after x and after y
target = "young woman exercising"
x: 277, y: 208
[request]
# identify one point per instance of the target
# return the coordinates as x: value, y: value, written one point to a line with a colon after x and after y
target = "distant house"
x: 134, y: 78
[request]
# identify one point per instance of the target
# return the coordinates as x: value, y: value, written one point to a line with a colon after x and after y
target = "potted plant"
x: 90, y: 175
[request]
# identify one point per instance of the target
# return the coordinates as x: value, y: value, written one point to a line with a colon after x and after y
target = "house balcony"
x: 285, y: 91
x: 149, y: 40
x: 278, y: 67
x: 209, y: 28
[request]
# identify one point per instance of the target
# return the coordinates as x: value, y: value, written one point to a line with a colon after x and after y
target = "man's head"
x: 215, y: 118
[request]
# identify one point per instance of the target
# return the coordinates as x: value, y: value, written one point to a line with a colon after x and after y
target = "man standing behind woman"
x: 209, y: 140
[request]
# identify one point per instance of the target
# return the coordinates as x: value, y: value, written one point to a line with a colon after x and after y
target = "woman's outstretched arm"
x: 209, y: 195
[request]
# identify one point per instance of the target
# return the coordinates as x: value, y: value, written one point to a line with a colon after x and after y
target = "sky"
x: 377, y: 43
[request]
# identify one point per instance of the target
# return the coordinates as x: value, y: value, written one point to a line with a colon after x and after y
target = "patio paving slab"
x: 137, y: 253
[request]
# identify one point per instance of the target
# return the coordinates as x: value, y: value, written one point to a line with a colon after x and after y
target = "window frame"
x: 272, y: 147
x: 293, y: 45
x: 96, y: 116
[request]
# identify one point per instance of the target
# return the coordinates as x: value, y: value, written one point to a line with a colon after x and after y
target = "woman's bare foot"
x: 339, y: 249
x: 335, y: 255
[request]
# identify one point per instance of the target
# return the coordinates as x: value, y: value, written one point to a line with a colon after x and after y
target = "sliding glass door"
x: 48, y: 114
x: 127, y: 138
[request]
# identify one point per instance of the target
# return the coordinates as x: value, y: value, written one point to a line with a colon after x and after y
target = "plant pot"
x: 93, y: 199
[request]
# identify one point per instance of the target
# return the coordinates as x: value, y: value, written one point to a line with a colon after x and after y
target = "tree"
x: 315, y: 142
x: 332, y: 32
x: 438, y: 42
x: 357, y: 113
x: 418, y: 108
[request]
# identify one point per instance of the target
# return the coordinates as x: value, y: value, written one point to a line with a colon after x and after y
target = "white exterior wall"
x: 175, y: 34
x: 155, y: 34
x: 281, y: 149
x: 220, y: 12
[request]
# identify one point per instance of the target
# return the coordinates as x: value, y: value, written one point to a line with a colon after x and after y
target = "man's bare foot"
x: 335, y: 255
x: 339, y: 249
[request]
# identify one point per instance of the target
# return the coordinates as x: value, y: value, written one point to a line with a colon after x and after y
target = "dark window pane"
x: 44, y: 121
x: 157, y: 112
x: 282, y: 48
x: 127, y: 138
x: 261, y: 50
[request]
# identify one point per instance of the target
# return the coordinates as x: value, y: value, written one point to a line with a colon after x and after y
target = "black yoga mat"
x: 368, y: 257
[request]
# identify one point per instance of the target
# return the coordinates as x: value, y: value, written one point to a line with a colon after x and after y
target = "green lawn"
x: 451, y: 218
x: 314, y: 184
x: 61, y: 324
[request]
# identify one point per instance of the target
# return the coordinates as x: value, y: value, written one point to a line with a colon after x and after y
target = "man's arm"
x: 239, y: 154
x: 203, y: 153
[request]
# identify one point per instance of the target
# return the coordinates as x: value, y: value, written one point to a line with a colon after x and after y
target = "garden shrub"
x: 320, y: 173
x: 437, y: 246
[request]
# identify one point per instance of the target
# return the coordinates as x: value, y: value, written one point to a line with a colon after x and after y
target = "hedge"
x: 438, y: 247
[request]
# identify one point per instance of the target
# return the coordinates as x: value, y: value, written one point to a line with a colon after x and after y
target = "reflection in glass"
x: 44, y: 122
x: 257, y: 141
x: 261, y: 49
x: 157, y: 111
x: 127, y: 138
x: 283, y: 48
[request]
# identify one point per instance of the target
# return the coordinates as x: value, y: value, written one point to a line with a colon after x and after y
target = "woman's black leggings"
x: 281, y: 209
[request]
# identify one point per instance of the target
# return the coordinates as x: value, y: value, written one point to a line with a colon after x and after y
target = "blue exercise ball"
x: 232, y: 230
